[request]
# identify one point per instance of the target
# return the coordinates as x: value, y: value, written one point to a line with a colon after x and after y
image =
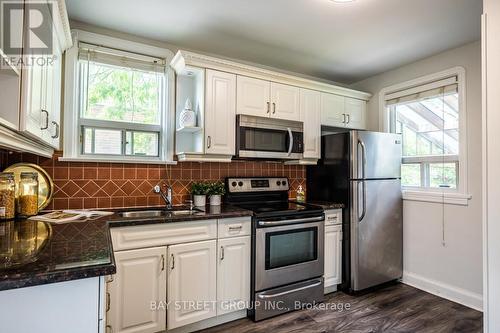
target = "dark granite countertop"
x: 34, y: 253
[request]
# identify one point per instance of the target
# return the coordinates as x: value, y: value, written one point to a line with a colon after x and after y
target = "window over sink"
x: 120, y: 102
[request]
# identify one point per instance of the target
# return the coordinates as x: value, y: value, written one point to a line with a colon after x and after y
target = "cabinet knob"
x: 46, y: 120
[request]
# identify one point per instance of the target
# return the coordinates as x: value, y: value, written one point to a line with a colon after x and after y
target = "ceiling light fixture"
x: 342, y: 1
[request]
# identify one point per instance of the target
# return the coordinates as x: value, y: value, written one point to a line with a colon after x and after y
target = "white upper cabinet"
x: 332, y: 110
x: 341, y: 111
x: 140, y: 278
x: 310, y: 112
x: 192, y: 278
x: 355, y: 111
x: 253, y: 97
x: 262, y: 98
x: 285, y: 101
x: 233, y: 273
x: 220, y: 112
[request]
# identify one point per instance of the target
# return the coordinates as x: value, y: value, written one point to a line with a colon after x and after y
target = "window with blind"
x: 428, y: 118
x: 122, y: 102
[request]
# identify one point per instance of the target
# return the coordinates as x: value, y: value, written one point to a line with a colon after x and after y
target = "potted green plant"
x: 215, y: 191
x: 199, y: 192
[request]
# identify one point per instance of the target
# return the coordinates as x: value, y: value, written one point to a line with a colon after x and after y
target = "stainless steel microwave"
x: 258, y: 137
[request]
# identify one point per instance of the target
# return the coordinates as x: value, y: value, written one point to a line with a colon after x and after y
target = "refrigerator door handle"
x: 363, y: 194
x: 363, y: 158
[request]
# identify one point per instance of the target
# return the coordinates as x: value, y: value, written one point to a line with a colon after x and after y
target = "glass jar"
x: 27, y: 200
x: 7, y: 196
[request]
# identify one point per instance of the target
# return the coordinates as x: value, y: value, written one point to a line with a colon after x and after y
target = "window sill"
x: 437, y: 197
x: 116, y: 160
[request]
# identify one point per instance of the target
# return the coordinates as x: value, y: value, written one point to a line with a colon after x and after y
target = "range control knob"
x: 283, y: 183
x: 278, y: 183
x: 233, y: 184
x: 240, y: 183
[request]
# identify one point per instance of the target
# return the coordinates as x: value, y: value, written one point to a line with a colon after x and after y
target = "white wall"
x: 453, y: 270
x: 491, y: 161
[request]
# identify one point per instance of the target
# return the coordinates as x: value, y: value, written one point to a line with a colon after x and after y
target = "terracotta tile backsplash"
x: 115, y: 185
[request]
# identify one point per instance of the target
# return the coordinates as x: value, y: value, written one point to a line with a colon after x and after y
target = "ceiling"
x: 339, y: 42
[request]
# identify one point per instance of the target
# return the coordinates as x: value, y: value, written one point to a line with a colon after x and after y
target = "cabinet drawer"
x: 333, y: 216
x: 134, y: 237
x: 233, y: 227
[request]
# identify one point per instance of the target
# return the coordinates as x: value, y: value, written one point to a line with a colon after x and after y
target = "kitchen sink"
x: 175, y: 211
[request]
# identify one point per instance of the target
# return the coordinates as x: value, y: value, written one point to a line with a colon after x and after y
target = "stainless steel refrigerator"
x: 362, y: 170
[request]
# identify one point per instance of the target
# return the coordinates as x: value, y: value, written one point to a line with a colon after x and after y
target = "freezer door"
x: 376, y: 227
x: 375, y: 155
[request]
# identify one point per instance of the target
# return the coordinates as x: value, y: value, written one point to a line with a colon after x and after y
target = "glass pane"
x: 142, y: 143
x: 291, y: 247
x: 108, y: 141
x: 429, y: 126
x: 87, y: 148
x: 443, y: 175
x: 264, y: 140
x: 410, y: 175
x: 122, y: 94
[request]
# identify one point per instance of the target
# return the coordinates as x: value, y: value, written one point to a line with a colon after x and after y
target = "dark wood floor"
x: 397, y: 308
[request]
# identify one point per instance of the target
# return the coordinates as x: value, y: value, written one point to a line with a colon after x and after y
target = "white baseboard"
x: 211, y: 322
x: 455, y: 294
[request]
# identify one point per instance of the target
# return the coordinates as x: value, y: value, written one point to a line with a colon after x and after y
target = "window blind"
x: 115, y: 57
x: 433, y: 89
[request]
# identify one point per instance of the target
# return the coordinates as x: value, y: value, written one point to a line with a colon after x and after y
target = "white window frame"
x: 460, y: 195
x: 72, y: 147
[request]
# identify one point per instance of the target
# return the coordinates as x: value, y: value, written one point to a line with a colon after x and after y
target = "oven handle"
x: 294, y: 221
x: 290, y: 291
x: 290, y: 146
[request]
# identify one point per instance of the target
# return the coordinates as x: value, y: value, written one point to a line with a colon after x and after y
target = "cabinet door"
x: 140, y: 279
x: 53, y: 103
x: 285, y: 101
x: 252, y: 97
x: 220, y: 112
x: 233, y: 274
x: 191, y: 280
x: 34, y: 117
x: 310, y: 102
x: 333, y: 255
x: 332, y: 110
x: 355, y: 110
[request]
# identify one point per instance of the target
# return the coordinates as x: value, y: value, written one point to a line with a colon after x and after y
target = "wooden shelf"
x: 194, y: 129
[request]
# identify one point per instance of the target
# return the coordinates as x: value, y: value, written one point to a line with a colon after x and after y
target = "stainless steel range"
x: 287, y: 246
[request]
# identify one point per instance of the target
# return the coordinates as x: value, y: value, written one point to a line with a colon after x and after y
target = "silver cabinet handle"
x: 162, y: 262
x: 290, y: 136
x: 293, y: 221
x: 46, y: 126
x: 222, y: 253
x: 173, y: 261
x: 274, y: 108
x: 235, y: 228
x: 108, y: 302
x: 55, y: 136
x: 343, y: 118
x: 268, y: 107
x: 348, y: 118
x: 209, y: 141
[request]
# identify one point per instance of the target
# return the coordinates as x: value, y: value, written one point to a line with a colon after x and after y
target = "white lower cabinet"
x: 139, y: 280
x: 233, y: 274
x: 333, y: 255
x: 192, y: 283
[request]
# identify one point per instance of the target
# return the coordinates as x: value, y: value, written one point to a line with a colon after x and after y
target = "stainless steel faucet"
x: 166, y: 195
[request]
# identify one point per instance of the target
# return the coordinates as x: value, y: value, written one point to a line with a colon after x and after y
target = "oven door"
x: 280, y: 140
x: 288, y: 253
